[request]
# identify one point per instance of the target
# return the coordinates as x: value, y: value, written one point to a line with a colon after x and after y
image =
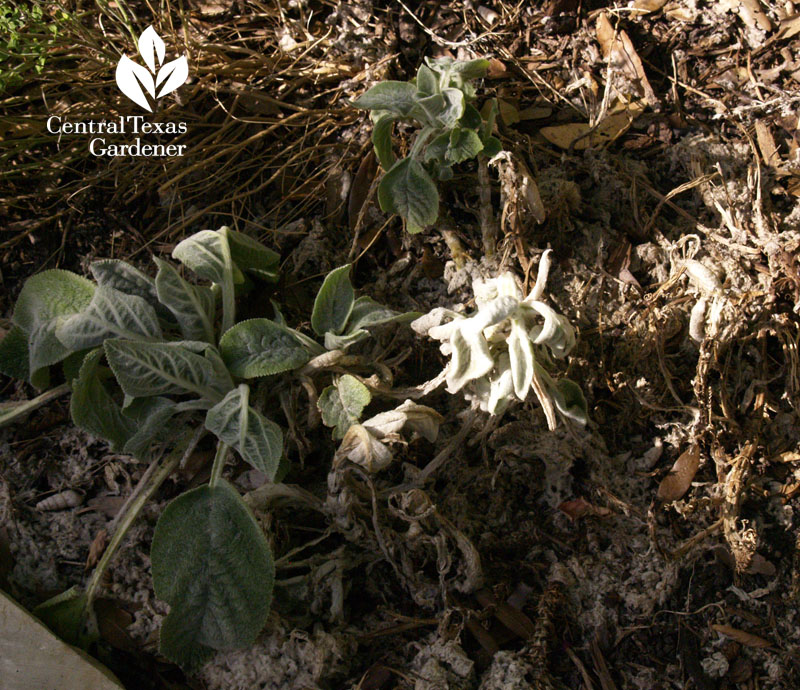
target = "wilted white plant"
x: 368, y: 443
x: 499, y: 353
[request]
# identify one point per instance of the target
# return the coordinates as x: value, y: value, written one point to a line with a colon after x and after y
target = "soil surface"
x: 653, y: 146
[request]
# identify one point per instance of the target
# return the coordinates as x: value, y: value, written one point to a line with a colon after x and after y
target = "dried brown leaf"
x: 581, y: 135
x: 580, y: 507
x: 619, y: 51
x: 680, y: 477
x: 766, y: 144
x: 96, y: 549
x: 751, y: 13
x: 742, y: 637
x: 497, y: 69
x: 107, y: 505
x: 646, y: 6
x: 761, y: 566
x: 741, y: 670
x: 112, y: 621
x: 508, y: 112
x: 788, y: 456
x: 790, y: 27
x: 510, y: 616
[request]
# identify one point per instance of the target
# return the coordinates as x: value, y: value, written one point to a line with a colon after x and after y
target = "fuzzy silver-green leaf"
x: 46, y: 299
x: 257, y: 439
x: 341, y: 405
x: 334, y: 302
x: 260, y: 347
x: 212, y: 564
x: 408, y: 191
x: 149, y: 368
x: 110, y: 314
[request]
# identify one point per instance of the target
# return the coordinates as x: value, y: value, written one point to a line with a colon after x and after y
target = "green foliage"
x: 334, y: 302
x: 341, y: 405
x: 452, y: 131
x: 94, y: 409
x: 64, y: 614
x: 342, y: 319
x: 258, y: 440
x: 212, y: 564
x: 47, y: 299
x: 260, y: 347
x: 27, y: 35
x: 145, y: 356
x: 144, y: 368
x: 14, y: 354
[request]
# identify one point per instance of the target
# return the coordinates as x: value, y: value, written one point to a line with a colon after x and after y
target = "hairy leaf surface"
x: 203, y: 253
x: 453, y: 108
x: 395, y: 96
x: 382, y: 137
x: 92, y: 407
x: 334, y: 302
x: 45, y: 299
x: 427, y: 81
x: 257, y: 439
x: 520, y: 352
x: 150, y: 417
x: 128, y: 279
x: 260, y: 347
x: 14, y: 354
x: 341, y: 405
x: 111, y: 313
x: 191, y: 305
x: 250, y: 255
x: 463, y: 145
x: 144, y: 369
x: 212, y: 565
x: 410, y: 192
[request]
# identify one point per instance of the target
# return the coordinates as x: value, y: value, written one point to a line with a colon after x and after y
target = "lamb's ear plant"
x: 503, y: 350
x: 143, y: 357
x: 440, y: 99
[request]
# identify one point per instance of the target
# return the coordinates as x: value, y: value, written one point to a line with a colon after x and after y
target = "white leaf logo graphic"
x: 175, y: 73
x: 136, y: 82
x: 150, y: 47
x: 131, y: 78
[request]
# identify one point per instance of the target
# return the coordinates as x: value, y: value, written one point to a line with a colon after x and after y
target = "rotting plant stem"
x: 489, y: 230
x: 152, y: 479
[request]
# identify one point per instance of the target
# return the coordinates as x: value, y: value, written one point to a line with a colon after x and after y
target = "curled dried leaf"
x: 742, y: 637
x: 680, y: 477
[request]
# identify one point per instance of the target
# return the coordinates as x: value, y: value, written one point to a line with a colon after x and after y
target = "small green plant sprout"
x: 341, y: 319
x: 143, y: 357
x: 367, y: 443
x: 501, y: 352
x: 27, y: 38
x: 452, y: 131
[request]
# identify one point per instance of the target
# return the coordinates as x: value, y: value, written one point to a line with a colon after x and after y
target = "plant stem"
x: 228, y: 303
x: 152, y: 479
x: 489, y: 229
x: 219, y: 464
x: 15, y: 411
x: 420, y: 141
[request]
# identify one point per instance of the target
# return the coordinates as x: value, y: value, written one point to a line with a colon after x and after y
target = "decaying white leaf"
x: 493, y: 352
x: 421, y: 419
x: 361, y: 447
x: 366, y: 444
